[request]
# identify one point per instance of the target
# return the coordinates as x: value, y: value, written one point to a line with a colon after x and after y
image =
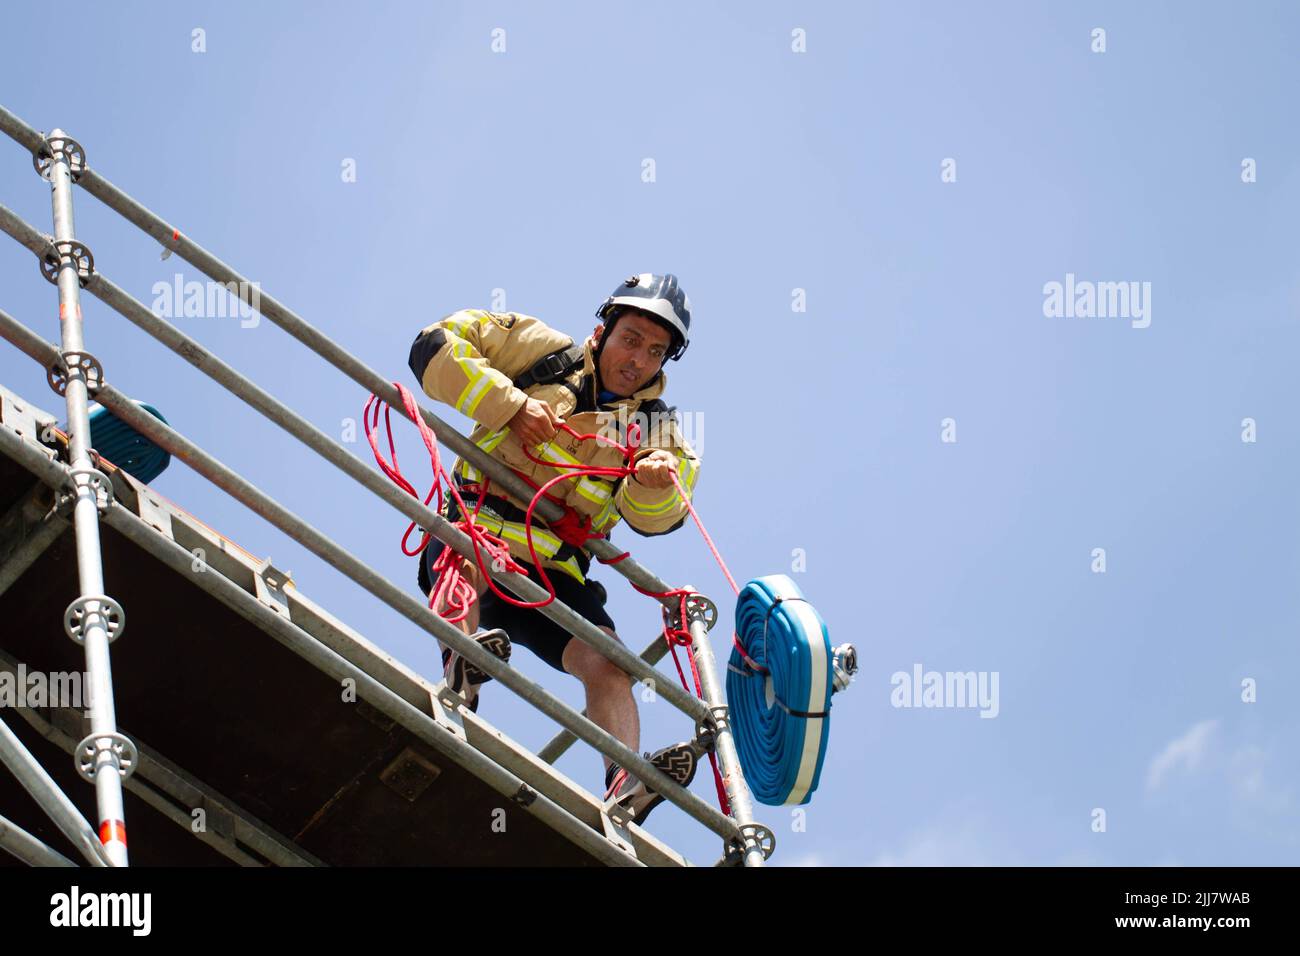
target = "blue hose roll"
x: 781, y: 717
x: 124, y: 446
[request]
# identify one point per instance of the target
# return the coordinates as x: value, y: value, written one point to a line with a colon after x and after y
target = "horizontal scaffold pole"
x: 384, y: 699
x: 172, y: 238
x: 396, y: 598
x: 261, y: 401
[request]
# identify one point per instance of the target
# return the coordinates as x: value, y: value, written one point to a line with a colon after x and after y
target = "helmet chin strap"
x: 608, y: 330
x: 595, y: 358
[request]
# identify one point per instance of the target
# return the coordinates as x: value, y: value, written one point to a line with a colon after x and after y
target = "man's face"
x: 633, y: 354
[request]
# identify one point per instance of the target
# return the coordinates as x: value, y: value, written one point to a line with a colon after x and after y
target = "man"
x: 519, y: 380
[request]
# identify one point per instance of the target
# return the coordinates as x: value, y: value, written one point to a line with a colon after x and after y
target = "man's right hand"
x: 534, y: 424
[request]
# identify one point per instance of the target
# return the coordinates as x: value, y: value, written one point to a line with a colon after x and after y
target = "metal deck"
x: 232, y: 721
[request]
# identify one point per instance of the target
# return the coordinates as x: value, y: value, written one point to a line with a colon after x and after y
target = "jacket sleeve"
x: 653, y: 511
x: 470, y: 359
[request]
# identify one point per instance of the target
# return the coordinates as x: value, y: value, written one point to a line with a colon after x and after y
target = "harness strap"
x: 552, y: 367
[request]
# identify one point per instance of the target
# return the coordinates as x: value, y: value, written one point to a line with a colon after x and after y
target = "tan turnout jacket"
x: 469, y: 361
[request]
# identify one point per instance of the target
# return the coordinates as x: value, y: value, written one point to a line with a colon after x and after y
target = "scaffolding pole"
x: 47, y: 794
x: 135, y: 312
x: 415, y: 611
x: 573, y: 623
x: 562, y: 741
x: 167, y: 788
x: 758, y: 840
x: 29, y: 528
x: 170, y: 237
x: 383, y: 698
x: 703, y: 712
x: 87, y: 618
x: 25, y: 847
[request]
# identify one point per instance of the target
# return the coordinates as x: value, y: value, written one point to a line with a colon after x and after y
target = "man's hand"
x: 534, y: 424
x: 656, y: 469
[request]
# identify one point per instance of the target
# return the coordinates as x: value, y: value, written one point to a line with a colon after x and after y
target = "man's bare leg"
x: 470, y: 624
x: 609, y: 692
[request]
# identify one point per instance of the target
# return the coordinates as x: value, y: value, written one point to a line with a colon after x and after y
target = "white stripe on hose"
x: 816, y: 699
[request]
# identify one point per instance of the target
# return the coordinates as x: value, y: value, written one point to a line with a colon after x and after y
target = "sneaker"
x: 463, y: 677
x: 678, y: 762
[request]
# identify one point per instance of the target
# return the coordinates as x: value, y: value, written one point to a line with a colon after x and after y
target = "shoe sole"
x: 463, y: 672
x: 680, y: 764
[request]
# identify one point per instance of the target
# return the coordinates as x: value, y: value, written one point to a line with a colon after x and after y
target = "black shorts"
x: 529, y: 626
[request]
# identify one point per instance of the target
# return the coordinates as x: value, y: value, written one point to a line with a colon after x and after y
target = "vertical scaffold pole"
x: 94, y: 619
x: 759, y: 841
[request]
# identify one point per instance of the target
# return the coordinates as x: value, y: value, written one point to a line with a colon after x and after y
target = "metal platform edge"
x: 267, y: 598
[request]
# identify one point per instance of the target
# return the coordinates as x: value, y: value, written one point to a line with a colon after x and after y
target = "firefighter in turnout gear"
x: 519, y: 379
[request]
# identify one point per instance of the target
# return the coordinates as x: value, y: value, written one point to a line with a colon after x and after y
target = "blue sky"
x: 778, y: 170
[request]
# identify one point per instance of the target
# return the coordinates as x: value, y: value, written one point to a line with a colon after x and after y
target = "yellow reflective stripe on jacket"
x: 480, y: 383
x: 686, y: 472
x: 654, y: 509
x: 480, y: 380
x: 488, y: 443
x: 602, y: 516
x: 478, y: 386
x: 462, y: 327
x: 547, y: 544
x: 595, y: 490
x: 570, y: 567
x: 552, y: 452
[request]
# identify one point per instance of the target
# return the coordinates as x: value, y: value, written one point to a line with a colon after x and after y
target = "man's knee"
x: 592, y: 667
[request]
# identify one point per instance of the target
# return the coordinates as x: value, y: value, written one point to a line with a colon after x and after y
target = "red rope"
x: 571, y: 528
x: 459, y: 594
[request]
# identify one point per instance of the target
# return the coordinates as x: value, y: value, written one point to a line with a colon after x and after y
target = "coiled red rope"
x: 572, y: 528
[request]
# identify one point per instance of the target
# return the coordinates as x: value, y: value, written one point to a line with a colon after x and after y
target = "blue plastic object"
x: 124, y: 446
x: 781, y: 717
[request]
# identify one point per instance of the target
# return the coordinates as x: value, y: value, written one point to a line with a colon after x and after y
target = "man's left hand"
x: 656, y: 469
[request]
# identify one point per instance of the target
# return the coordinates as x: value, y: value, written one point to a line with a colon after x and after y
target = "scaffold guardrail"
x: 74, y: 372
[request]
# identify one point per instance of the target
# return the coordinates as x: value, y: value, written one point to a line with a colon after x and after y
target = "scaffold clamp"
x: 760, y: 836
x: 698, y: 607
x: 63, y: 251
x: 708, y: 728
x: 97, y: 480
x: 78, y: 617
x: 51, y: 148
x: 73, y: 361
x: 123, y: 752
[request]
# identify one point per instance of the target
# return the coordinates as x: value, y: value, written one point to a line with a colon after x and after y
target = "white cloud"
x: 1187, y: 751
